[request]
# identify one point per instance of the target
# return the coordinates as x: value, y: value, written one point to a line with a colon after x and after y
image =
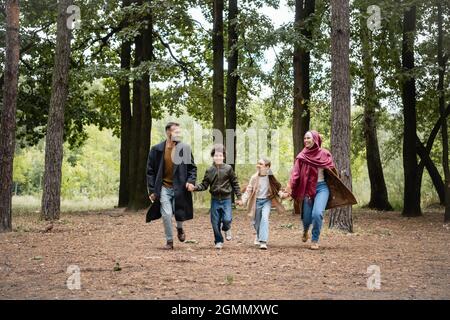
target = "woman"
x: 261, y: 193
x: 313, y: 172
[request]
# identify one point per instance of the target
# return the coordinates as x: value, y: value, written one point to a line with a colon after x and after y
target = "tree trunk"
x: 232, y: 82
x: 135, y: 124
x: 141, y: 121
x: 301, y: 114
x: 125, y: 122
x: 424, y: 153
x: 51, y: 196
x: 218, y: 73
x: 435, y: 176
x: 378, y: 191
x: 341, y: 218
x: 431, y: 168
x: 8, y: 114
x: 411, y: 198
x: 444, y: 130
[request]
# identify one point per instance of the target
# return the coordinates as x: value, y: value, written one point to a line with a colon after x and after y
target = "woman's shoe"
x: 256, y: 242
x: 219, y: 245
x: 263, y: 246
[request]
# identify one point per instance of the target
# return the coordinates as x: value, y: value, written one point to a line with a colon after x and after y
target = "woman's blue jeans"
x: 313, y: 210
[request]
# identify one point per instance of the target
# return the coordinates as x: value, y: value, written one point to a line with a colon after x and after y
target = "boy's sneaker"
x: 256, y: 242
x: 219, y: 245
x: 228, y: 235
x: 263, y: 246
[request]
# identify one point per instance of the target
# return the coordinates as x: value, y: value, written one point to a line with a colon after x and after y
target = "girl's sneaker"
x: 263, y: 246
x: 219, y: 245
x: 314, y: 246
x: 256, y: 241
x: 228, y: 235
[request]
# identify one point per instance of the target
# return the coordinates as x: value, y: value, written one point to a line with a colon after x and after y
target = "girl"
x: 262, y: 190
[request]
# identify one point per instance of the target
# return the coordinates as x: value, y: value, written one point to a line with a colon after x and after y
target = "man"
x: 170, y: 170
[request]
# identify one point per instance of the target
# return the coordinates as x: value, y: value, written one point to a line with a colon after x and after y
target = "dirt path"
x: 413, y: 256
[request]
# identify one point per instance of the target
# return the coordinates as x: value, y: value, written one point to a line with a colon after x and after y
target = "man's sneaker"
x: 169, y: 245
x: 181, y: 235
x: 263, y: 246
x: 219, y: 245
x: 228, y: 235
x: 256, y: 241
x: 305, y: 236
x: 314, y: 246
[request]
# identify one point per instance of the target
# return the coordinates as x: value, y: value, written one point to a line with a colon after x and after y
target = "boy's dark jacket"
x: 221, y: 180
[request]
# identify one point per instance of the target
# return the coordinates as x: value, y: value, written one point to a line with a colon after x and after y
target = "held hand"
x: 284, y: 194
x: 152, y: 197
x: 288, y: 190
x: 239, y: 203
x: 190, y: 187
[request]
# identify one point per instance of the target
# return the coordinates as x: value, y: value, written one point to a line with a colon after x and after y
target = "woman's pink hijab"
x: 304, y: 175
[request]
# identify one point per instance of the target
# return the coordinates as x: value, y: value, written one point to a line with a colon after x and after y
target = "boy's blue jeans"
x: 220, y: 217
x: 313, y: 210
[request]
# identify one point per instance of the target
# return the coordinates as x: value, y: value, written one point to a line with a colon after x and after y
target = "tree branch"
x: 104, y: 40
x: 183, y: 65
x: 434, y: 132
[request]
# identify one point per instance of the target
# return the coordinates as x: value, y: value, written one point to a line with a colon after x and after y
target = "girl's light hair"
x: 266, y: 161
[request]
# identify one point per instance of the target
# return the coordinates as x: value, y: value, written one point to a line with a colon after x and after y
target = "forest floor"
x: 413, y: 256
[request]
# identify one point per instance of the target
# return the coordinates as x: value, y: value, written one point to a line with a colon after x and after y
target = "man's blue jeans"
x: 313, y: 210
x: 261, y: 222
x: 167, y: 208
x: 220, y: 217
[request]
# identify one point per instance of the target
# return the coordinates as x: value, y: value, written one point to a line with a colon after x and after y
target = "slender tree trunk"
x: 301, y: 114
x: 444, y: 130
x: 341, y: 218
x: 429, y: 165
x: 378, y: 191
x: 427, y: 162
x: 232, y: 81
x: 424, y: 153
x: 8, y: 114
x: 125, y: 122
x: 135, y: 125
x: 232, y: 78
x: 141, y: 200
x: 141, y: 121
x: 218, y: 73
x: 51, y: 197
x: 411, y: 199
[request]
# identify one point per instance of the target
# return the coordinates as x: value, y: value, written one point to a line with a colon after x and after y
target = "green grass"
x: 22, y: 205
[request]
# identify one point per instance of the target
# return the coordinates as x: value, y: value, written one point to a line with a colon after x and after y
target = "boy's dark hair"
x: 218, y: 148
x: 171, y: 124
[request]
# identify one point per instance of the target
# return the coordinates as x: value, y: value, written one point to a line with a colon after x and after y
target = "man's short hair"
x: 218, y: 148
x: 171, y: 124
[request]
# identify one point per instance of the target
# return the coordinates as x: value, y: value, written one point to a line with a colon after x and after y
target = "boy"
x: 222, y: 182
